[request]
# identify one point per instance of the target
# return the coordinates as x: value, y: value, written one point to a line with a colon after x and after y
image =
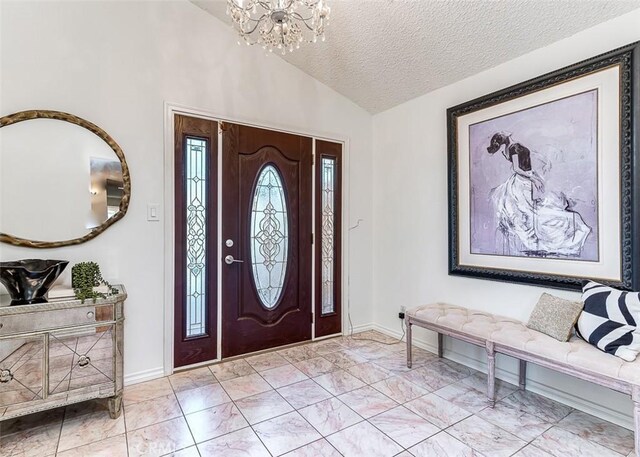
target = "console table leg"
x: 115, y: 406
x: 409, y: 355
x: 491, y: 373
x: 440, y: 345
x: 522, y: 377
x: 635, y: 395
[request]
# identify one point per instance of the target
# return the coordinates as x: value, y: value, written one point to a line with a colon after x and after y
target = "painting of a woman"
x: 531, y: 221
x: 533, y: 181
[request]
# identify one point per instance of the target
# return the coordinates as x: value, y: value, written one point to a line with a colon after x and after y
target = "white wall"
x: 410, y: 210
x: 116, y: 64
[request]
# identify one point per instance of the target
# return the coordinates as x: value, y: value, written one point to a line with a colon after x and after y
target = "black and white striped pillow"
x: 610, y: 320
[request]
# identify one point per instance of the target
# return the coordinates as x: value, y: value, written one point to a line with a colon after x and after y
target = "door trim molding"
x: 168, y: 213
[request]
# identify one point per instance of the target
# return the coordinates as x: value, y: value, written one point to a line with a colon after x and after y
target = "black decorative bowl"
x: 29, y: 280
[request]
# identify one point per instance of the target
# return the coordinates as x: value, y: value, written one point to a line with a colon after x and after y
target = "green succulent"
x: 84, y: 277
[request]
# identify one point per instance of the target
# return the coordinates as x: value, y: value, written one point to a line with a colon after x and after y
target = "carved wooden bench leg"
x: 491, y: 373
x: 522, y: 377
x: 635, y: 396
x: 115, y: 406
x: 440, y: 344
x: 409, y: 355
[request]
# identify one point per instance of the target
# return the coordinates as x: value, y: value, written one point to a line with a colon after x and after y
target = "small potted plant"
x: 86, y: 278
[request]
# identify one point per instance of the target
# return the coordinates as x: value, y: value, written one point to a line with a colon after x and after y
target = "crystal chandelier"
x: 280, y: 24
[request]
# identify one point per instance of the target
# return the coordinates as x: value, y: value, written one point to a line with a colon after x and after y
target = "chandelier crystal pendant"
x: 279, y: 24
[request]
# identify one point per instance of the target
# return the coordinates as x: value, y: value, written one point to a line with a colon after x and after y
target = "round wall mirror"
x: 63, y: 180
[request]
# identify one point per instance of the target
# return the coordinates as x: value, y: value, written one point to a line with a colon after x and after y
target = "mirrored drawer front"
x: 21, y: 370
x: 54, y: 319
x: 81, y: 360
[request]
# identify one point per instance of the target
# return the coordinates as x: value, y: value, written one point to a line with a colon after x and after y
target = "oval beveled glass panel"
x: 58, y: 180
x: 269, y: 236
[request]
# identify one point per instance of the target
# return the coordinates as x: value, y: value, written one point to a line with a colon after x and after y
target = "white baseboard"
x: 359, y: 328
x: 142, y: 376
x: 596, y: 409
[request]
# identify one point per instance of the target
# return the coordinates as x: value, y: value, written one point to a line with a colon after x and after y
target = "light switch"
x: 153, y: 212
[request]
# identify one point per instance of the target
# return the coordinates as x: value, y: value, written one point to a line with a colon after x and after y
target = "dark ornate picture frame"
x: 628, y: 60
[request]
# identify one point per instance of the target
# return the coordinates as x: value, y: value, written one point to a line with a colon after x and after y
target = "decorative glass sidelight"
x: 196, y: 201
x: 328, y: 173
x: 269, y: 236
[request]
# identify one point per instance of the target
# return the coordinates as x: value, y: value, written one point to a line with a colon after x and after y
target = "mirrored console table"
x: 62, y: 352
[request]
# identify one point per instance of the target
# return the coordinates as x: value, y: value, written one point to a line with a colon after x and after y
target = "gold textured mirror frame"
x: 126, y: 193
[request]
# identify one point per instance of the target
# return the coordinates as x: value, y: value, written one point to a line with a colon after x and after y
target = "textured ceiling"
x: 380, y: 53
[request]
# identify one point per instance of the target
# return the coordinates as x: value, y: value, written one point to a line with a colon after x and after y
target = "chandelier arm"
x: 303, y: 20
x: 299, y: 17
x: 255, y: 26
x: 264, y: 16
x: 265, y: 5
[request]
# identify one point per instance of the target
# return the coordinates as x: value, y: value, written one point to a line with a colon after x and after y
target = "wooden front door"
x: 266, y: 239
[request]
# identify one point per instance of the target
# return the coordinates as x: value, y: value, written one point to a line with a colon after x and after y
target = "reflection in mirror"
x: 106, y: 190
x: 63, y: 180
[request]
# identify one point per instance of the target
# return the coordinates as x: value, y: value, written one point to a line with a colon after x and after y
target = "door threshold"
x: 279, y: 348
x: 193, y: 366
x: 265, y: 351
x: 251, y: 354
x: 326, y: 337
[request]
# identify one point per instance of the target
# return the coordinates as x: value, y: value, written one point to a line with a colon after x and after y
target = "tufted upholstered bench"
x: 511, y: 337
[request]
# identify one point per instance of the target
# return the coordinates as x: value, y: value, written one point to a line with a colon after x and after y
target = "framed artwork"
x: 544, y: 178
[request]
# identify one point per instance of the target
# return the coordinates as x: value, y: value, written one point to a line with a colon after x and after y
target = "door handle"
x: 229, y: 260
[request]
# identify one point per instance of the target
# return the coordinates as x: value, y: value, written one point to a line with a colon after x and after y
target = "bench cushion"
x: 514, y: 334
x: 475, y: 323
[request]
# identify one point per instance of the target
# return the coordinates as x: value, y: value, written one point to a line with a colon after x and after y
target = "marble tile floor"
x: 345, y: 396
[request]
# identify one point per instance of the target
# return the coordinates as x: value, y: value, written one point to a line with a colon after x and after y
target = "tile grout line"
x: 240, y: 411
x: 294, y: 410
x: 272, y: 388
x: 64, y: 415
x: 249, y: 425
x: 361, y: 417
x: 322, y: 437
x: 126, y: 431
x: 316, y: 403
x: 398, y: 404
x: 184, y: 417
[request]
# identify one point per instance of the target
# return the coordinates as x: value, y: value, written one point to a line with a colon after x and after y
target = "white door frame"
x: 170, y: 110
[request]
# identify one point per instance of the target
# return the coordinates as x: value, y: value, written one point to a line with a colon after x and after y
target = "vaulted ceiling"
x: 380, y: 53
